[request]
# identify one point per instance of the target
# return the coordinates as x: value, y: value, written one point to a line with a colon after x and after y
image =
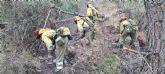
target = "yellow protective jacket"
x: 64, y: 31
x: 91, y: 10
x: 127, y: 22
x: 81, y: 24
x: 47, y: 35
x: 122, y: 24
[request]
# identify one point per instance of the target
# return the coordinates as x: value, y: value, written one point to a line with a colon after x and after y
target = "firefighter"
x: 62, y: 38
x: 84, y: 29
x: 128, y: 29
x: 55, y: 40
x: 91, y: 11
x: 46, y: 35
x: 92, y: 14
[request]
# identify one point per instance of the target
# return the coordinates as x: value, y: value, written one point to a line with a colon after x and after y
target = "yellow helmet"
x: 123, y: 18
x: 89, y: 4
x: 76, y: 18
x: 66, y: 31
x: 63, y: 30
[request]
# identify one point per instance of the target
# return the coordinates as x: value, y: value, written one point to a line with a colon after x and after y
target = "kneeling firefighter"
x: 84, y: 29
x: 55, y: 40
x: 128, y: 28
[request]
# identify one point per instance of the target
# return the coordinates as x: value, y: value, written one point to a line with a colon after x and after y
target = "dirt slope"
x: 106, y: 35
x: 88, y: 58
x: 84, y: 60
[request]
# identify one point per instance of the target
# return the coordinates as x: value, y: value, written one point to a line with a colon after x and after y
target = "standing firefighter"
x: 128, y: 29
x: 91, y: 11
x: 92, y: 14
x: 57, y: 40
x: 84, y: 29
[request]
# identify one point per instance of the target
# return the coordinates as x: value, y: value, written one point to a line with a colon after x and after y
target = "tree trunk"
x: 155, y: 29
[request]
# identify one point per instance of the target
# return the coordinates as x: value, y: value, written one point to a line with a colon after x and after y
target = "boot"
x: 60, y: 72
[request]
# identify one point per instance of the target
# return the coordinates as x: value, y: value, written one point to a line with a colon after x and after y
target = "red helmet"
x: 37, y: 33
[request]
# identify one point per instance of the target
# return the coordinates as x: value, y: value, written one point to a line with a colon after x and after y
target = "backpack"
x: 88, y: 21
x: 133, y: 24
x: 130, y: 27
x: 63, y: 31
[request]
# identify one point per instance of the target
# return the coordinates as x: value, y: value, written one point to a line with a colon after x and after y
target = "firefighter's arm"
x: 89, y: 12
x: 136, y: 28
x: 94, y: 8
x: 134, y: 24
x: 121, y: 27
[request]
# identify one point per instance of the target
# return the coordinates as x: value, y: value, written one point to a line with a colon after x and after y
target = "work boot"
x: 59, y: 67
x: 59, y: 72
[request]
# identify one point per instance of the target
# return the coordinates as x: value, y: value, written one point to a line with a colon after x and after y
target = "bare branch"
x: 47, y: 18
x: 66, y: 12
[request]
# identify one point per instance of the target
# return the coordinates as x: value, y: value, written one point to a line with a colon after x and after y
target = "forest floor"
x: 87, y: 59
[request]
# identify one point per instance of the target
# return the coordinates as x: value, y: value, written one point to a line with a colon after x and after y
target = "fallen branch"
x: 64, y: 20
x: 47, y: 18
x: 66, y: 12
x: 146, y: 62
x: 129, y: 49
x: 138, y: 52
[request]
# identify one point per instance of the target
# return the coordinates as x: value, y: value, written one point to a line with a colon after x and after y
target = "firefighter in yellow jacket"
x: 91, y: 11
x: 83, y: 28
x: 57, y: 40
x: 127, y: 27
x: 46, y: 35
x: 62, y: 38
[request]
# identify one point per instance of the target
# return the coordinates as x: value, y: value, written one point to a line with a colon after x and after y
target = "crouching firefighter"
x: 46, y: 35
x: 127, y: 29
x: 56, y: 43
x: 62, y: 38
x: 84, y: 29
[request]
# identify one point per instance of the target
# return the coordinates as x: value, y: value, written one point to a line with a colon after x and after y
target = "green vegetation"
x: 110, y: 65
